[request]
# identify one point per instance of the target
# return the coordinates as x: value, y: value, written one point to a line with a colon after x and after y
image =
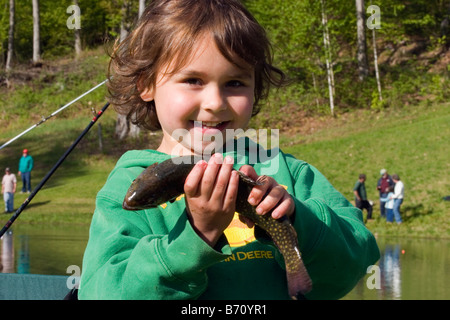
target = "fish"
x: 164, y: 182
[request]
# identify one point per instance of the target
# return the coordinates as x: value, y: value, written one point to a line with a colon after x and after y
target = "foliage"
x: 296, y: 30
x: 100, y: 20
x: 410, y: 142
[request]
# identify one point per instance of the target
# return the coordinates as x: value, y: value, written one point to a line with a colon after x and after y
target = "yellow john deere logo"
x: 238, y: 234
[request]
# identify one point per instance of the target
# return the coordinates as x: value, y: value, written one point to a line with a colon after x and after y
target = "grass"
x: 412, y: 141
x: 68, y: 197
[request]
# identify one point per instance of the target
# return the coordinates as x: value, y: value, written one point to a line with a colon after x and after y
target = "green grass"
x: 412, y: 142
x: 68, y: 197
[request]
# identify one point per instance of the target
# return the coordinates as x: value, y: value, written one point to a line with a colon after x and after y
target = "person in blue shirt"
x: 25, y: 167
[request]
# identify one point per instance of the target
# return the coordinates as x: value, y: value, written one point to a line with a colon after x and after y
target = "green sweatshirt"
x: 156, y: 254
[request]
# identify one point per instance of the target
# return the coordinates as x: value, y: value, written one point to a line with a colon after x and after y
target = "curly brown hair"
x: 165, y: 36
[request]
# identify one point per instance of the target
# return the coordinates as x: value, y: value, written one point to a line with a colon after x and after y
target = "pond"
x: 408, y: 269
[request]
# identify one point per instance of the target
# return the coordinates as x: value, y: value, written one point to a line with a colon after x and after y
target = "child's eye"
x: 193, y: 81
x: 235, y: 84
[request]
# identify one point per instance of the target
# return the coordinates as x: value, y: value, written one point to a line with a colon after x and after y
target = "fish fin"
x: 153, y: 165
x: 146, y: 170
x: 299, y: 283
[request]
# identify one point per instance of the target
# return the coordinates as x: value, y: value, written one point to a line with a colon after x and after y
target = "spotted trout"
x: 163, y: 182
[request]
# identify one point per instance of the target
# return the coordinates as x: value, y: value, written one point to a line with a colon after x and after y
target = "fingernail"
x: 251, y: 200
x: 259, y: 211
x: 229, y: 160
x: 218, y: 158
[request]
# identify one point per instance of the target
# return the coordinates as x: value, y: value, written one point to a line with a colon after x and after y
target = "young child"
x: 389, y: 200
x: 197, y: 69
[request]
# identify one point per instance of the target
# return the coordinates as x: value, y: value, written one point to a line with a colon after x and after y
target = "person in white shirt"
x: 399, y: 190
x: 9, y: 183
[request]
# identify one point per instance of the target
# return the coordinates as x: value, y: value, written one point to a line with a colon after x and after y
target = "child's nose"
x: 214, y: 99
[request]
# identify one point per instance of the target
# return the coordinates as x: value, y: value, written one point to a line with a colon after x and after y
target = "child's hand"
x: 269, y: 196
x: 211, y: 191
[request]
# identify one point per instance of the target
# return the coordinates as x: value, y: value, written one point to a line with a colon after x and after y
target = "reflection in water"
x: 7, y: 253
x: 24, y: 255
x: 7, y: 262
x: 46, y: 250
x: 408, y: 268
x: 391, y: 280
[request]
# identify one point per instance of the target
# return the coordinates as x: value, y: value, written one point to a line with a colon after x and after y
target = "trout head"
x: 150, y: 189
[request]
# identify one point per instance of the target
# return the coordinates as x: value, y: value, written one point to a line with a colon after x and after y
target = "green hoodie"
x: 156, y: 254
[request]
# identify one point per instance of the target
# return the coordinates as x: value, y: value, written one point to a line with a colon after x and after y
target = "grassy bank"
x: 410, y: 142
x: 413, y: 142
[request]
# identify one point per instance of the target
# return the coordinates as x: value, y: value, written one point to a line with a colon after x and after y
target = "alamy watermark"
x: 374, y: 21
x: 373, y: 281
x: 261, y: 146
x: 74, y: 21
x: 73, y: 281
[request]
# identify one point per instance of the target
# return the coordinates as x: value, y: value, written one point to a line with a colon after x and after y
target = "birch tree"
x: 77, y: 38
x: 36, y: 34
x: 374, y: 23
x: 10, y: 52
x: 326, y: 43
x: 141, y: 7
x: 363, y: 68
x: 124, y: 127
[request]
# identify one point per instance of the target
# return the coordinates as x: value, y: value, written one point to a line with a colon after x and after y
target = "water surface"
x: 408, y: 269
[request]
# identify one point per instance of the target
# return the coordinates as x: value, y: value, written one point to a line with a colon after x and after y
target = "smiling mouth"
x: 210, y: 124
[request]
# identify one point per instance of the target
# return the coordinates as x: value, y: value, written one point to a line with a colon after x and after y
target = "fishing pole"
x: 52, y: 115
x: 51, y: 172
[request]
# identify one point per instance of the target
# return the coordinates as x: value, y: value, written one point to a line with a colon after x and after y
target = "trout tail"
x: 299, y: 283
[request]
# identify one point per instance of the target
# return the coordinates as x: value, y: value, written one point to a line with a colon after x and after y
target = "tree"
x: 77, y: 38
x: 36, y: 33
x: 141, y: 7
x: 363, y: 67
x: 10, y: 36
x: 124, y: 127
x: 375, y: 18
x: 326, y: 43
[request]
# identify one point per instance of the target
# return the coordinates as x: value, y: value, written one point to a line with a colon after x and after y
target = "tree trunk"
x: 10, y: 36
x: 122, y: 127
x: 77, y: 39
x: 141, y: 7
x: 125, y: 128
x: 124, y: 23
x: 363, y: 68
x: 326, y: 43
x: 36, y: 35
x: 375, y: 61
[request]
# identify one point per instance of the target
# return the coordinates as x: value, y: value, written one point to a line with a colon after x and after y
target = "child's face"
x: 204, y: 98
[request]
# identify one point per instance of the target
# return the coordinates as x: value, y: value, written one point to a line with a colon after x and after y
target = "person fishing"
x: 198, y: 70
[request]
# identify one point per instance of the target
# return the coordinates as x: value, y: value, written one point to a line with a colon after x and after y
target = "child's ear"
x: 147, y: 94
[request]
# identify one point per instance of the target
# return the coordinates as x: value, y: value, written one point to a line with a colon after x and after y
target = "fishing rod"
x: 52, y: 115
x: 52, y: 171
